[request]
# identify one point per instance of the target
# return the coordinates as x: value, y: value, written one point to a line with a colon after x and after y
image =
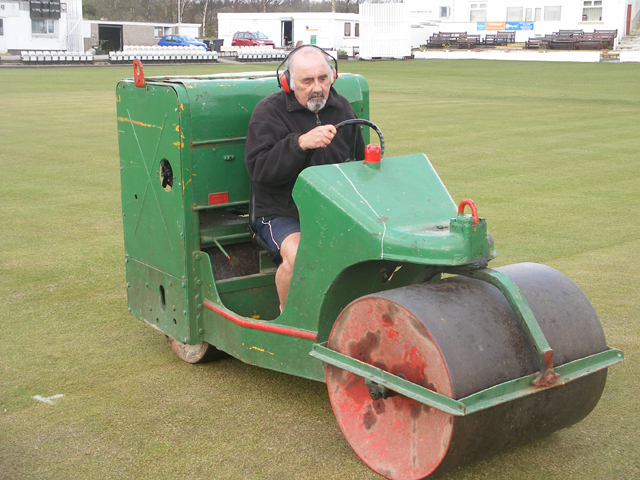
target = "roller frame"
x: 490, y: 397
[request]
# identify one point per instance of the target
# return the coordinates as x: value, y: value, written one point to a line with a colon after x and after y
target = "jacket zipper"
x: 318, y: 122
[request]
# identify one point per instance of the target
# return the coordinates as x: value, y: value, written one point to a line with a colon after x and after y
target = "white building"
x: 327, y: 30
x: 528, y: 18
x: 58, y: 25
x: 40, y: 25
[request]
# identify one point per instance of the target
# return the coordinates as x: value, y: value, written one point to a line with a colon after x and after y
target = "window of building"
x: 347, y: 29
x: 592, y: 11
x: 357, y: 30
x: 528, y: 15
x: 158, y: 32
x: 538, y: 16
x: 1, y: 27
x: 514, y: 14
x: 478, y: 12
x: 43, y: 26
x: 552, y: 14
x: 445, y: 12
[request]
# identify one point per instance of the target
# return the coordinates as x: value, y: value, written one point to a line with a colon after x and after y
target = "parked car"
x: 245, y: 39
x: 180, y: 41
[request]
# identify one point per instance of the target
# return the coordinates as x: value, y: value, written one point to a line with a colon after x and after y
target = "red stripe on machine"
x: 292, y: 332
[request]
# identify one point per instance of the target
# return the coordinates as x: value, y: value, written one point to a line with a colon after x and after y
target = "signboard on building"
x: 44, y: 8
x: 483, y: 26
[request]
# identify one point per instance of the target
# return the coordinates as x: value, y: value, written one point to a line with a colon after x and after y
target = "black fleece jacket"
x: 273, y: 156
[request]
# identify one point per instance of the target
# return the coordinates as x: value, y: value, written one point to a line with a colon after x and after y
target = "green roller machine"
x: 431, y: 358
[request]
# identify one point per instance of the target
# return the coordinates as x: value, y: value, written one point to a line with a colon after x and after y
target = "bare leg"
x: 288, y: 251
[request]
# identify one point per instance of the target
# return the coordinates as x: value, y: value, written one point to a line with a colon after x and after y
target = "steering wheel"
x: 354, y: 121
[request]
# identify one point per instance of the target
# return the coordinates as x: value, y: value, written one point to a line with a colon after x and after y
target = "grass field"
x: 549, y: 152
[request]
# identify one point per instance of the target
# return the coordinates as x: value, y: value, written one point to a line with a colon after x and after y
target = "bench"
x: 156, y: 53
x: 443, y: 39
x: 54, y: 57
x: 259, y: 54
x: 468, y: 41
x: 538, y: 42
x: 575, y: 40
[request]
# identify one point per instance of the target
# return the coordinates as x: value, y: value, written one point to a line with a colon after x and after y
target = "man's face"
x: 312, y: 80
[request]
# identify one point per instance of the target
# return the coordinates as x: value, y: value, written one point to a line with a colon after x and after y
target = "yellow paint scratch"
x: 182, y: 107
x: 260, y: 350
x: 177, y: 128
x: 179, y: 144
x: 136, y: 122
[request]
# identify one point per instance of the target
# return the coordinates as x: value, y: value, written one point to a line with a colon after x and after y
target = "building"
x: 40, y: 25
x: 114, y: 35
x: 58, y: 25
x: 328, y: 30
x: 527, y: 18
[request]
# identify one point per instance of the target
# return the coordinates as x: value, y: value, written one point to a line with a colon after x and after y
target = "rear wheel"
x: 198, y: 353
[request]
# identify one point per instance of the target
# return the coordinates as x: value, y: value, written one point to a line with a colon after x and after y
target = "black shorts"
x: 274, y: 230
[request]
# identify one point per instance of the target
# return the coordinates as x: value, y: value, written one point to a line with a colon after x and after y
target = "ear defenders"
x: 284, y: 78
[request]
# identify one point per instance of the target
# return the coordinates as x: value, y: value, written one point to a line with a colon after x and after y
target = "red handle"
x: 138, y: 74
x: 474, y: 210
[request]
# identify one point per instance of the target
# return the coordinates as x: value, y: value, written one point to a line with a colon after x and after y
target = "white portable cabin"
x: 328, y: 30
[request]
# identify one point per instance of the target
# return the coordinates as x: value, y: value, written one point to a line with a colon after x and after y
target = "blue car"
x: 180, y: 41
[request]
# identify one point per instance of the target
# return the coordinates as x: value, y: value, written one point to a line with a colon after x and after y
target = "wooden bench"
x: 468, y: 41
x: 500, y: 38
x: 537, y: 42
x: 443, y: 39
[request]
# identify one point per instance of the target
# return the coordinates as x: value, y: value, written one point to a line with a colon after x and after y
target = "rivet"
x: 200, y: 307
x: 128, y: 285
x: 198, y: 256
x: 201, y: 331
x: 184, y: 285
x: 199, y: 282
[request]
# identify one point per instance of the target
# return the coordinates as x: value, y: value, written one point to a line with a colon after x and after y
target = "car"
x: 180, y: 41
x: 246, y: 39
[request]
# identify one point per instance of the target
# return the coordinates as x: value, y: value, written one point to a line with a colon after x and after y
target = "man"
x: 287, y: 133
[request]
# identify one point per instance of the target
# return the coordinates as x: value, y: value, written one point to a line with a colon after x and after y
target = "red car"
x: 244, y: 39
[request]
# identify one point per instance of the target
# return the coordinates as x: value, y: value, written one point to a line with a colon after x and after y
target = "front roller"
x: 459, y: 336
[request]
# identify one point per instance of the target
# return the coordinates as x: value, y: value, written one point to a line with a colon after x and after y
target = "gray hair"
x: 290, y: 63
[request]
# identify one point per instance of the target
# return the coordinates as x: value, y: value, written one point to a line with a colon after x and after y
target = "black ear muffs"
x: 284, y: 78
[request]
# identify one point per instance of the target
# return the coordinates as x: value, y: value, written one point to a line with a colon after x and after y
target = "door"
x: 287, y: 33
